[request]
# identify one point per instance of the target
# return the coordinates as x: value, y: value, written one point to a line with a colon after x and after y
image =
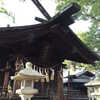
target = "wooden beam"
x: 65, y: 16
x: 60, y: 94
x: 6, y: 79
x: 40, y: 20
x: 70, y: 9
x: 41, y: 8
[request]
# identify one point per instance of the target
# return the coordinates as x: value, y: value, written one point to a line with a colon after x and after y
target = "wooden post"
x: 6, y: 79
x: 60, y: 93
x: 41, y: 8
x: 18, y: 65
x: 68, y: 86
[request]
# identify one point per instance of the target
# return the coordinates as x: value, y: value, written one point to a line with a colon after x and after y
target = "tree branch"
x: 90, y: 16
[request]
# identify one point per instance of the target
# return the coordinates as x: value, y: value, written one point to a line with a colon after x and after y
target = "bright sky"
x: 80, y: 26
x: 25, y: 12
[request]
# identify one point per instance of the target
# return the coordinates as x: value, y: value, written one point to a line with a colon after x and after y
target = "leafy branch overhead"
x: 5, y: 11
x: 89, y: 8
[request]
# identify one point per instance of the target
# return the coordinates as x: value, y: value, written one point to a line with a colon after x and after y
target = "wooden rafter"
x: 41, y: 8
x: 40, y: 20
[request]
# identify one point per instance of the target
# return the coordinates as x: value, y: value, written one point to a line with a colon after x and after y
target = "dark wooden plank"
x: 40, y: 20
x: 65, y: 16
x: 41, y: 8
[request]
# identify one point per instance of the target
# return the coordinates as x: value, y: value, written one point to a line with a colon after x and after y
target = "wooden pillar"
x: 18, y: 65
x: 68, y: 86
x: 6, y: 79
x: 1, y: 78
x: 60, y: 93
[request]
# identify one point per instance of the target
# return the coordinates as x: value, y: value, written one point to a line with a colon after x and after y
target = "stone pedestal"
x: 26, y: 97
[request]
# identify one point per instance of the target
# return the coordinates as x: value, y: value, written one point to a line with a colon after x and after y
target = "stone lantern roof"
x: 28, y: 73
x: 95, y: 82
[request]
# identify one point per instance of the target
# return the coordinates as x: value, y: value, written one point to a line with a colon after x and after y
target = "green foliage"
x: 67, y: 63
x: 92, y: 42
x: 98, y: 65
x: 3, y: 10
x: 89, y: 10
x: 80, y: 65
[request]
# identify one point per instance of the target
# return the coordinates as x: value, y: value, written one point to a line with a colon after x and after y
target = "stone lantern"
x: 94, y: 88
x: 27, y: 77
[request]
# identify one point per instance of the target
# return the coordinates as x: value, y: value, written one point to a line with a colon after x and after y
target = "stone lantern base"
x: 26, y: 97
x: 26, y: 94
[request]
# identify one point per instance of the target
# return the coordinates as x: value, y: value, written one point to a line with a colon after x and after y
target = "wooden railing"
x: 75, y: 95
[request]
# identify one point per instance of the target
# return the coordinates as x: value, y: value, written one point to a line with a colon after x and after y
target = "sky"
x: 25, y: 12
x: 80, y: 26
